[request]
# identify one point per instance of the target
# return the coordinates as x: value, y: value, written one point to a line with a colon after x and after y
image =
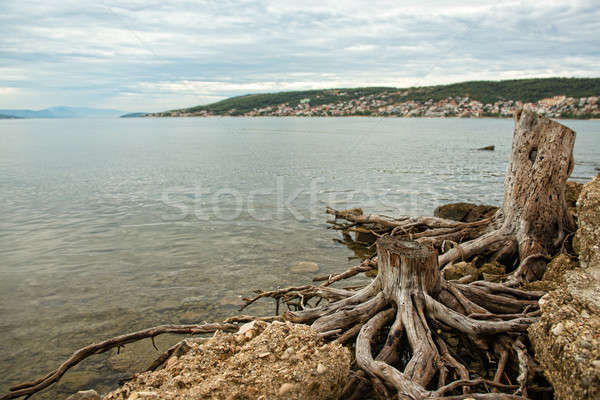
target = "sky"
x: 148, y: 55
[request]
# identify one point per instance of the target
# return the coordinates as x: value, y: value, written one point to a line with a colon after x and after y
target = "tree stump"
x: 410, y: 291
x: 534, y: 214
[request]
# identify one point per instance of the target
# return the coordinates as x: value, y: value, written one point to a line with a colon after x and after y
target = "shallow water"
x: 113, y: 225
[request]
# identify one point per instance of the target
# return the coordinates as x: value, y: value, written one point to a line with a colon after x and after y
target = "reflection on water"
x: 110, y: 226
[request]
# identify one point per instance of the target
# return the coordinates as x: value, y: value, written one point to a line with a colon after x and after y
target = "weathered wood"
x: 534, y: 212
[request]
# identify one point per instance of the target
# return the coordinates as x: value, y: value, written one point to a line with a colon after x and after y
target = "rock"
x: 566, y: 344
x: 557, y: 267
x: 572, y: 192
x: 464, y: 212
x: 492, y: 271
x: 488, y: 148
x: 232, y: 301
x: 85, y: 395
x: 553, y: 276
x: 143, y: 396
x: 461, y: 269
x: 365, y: 237
x: 588, y: 234
x: 281, y: 360
x: 566, y: 339
x: 493, y: 268
x: 304, y: 267
x: 286, y: 388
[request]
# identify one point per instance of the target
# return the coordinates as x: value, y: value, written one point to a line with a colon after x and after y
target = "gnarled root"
x: 410, y: 291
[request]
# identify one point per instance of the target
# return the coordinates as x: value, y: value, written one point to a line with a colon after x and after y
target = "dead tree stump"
x: 410, y: 291
x: 534, y: 214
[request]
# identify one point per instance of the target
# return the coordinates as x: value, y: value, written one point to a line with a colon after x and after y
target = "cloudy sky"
x: 149, y: 55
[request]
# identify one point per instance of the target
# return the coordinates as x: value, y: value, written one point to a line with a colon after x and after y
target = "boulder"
x: 587, y: 238
x: 261, y: 361
x: 566, y: 340
x: 464, y: 212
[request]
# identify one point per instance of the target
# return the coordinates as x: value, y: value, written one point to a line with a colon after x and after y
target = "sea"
x: 108, y: 226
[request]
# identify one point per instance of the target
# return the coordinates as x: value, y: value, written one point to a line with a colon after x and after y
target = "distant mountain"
x: 64, y: 112
x: 134, y: 115
x: 4, y: 116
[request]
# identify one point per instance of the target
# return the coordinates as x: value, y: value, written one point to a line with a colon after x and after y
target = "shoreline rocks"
x: 260, y: 361
x: 566, y: 340
x: 464, y: 212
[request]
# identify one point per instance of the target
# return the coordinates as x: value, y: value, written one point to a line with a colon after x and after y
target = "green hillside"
x: 526, y: 90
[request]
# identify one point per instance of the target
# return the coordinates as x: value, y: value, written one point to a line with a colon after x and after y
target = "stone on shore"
x: 261, y: 361
x: 464, y: 212
x: 84, y: 395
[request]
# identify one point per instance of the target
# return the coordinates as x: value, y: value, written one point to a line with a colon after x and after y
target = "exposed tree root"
x: 29, y: 388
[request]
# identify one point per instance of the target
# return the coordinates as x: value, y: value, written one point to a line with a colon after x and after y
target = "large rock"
x: 464, y: 212
x: 587, y: 238
x: 566, y: 340
x: 261, y: 361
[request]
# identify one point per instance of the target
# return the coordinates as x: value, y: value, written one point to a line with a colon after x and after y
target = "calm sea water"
x: 113, y: 225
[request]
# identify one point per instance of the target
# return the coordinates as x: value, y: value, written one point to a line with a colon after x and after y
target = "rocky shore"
x: 386, y: 105
x: 567, y: 337
x: 290, y: 361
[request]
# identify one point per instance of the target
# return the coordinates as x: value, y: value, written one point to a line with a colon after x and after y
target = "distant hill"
x: 134, y: 115
x: 487, y: 92
x: 4, y: 116
x: 63, y: 112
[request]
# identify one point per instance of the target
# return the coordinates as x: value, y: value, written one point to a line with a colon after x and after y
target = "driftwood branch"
x: 29, y: 388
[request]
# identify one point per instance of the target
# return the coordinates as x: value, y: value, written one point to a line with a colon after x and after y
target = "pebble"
x: 321, y: 369
x: 85, y: 395
x: 286, y: 388
x: 557, y: 329
x: 143, y: 396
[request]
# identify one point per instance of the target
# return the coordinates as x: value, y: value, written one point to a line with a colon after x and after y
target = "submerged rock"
x: 261, y: 361
x: 464, y: 212
x: 304, y: 267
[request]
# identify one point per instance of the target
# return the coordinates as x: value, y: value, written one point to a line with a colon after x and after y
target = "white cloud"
x: 198, y: 51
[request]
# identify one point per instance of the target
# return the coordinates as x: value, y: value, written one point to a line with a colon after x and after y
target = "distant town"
x: 553, y: 97
x: 382, y: 105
